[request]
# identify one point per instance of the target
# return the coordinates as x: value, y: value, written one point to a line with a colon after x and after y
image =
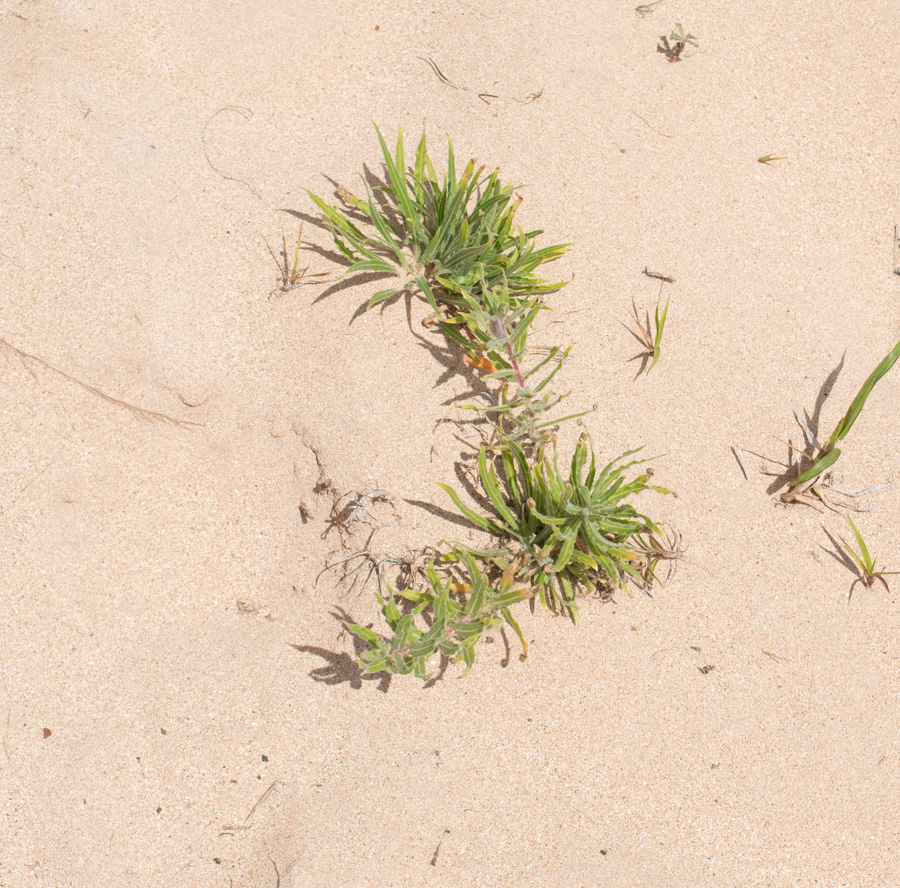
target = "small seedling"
x: 651, y: 340
x: 768, y: 158
x: 654, y: 547
x: 673, y: 46
x: 291, y: 274
x: 865, y: 563
x: 827, y: 456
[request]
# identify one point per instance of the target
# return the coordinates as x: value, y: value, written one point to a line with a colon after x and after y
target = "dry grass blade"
x: 291, y: 273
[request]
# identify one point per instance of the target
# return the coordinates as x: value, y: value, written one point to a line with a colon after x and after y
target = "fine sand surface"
x: 178, y: 703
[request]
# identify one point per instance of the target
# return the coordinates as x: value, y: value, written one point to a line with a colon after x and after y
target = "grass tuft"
x: 865, y: 563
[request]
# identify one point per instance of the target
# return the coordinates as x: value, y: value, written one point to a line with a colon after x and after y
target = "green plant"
x: 768, y: 158
x: 454, y: 242
x: 678, y: 36
x: 520, y: 412
x: 828, y: 455
x: 446, y: 239
x: 673, y: 45
x: 864, y: 562
x: 459, y: 613
x: 563, y: 533
x: 651, y: 340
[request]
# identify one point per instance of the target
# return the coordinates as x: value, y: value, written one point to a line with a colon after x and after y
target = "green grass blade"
x: 658, y: 334
x: 817, y: 468
x: 474, y: 517
x: 492, y: 489
x: 866, y: 558
x: 859, y: 401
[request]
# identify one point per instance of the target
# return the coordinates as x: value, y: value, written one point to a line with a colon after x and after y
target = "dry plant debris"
x: 649, y: 335
x: 292, y: 275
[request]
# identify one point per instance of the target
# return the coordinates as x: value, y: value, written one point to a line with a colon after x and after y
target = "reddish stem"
x: 509, y: 351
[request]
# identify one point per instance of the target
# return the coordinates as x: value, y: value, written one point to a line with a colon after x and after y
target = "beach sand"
x: 179, y: 705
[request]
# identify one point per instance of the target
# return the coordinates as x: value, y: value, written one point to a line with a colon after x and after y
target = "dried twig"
x: 484, y: 96
x: 658, y: 276
x: 259, y: 801
x: 739, y: 455
x: 646, y: 8
x: 355, y: 510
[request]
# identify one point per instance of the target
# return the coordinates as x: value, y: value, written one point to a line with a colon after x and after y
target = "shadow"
x: 341, y: 668
x: 507, y: 650
x: 841, y: 557
x: 812, y: 423
x: 787, y: 475
x: 438, y: 512
x: 644, y: 341
x: 644, y: 358
x: 824, y: 392
x: 357, y: 280
x: 450, y: 356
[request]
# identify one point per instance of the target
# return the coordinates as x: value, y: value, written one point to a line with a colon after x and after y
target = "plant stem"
x: 515, y: 364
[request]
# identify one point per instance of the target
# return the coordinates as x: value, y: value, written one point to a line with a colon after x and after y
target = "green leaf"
x: 866, y: 559
x: 492, y: 489
x: 844, y: 426
x: 363, y: 633
x: 476, y: 519
x: 658, y: 334
x: 819, y: 466
x: 382, y: 295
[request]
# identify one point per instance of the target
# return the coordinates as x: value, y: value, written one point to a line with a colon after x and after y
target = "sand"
x: 178, y: 703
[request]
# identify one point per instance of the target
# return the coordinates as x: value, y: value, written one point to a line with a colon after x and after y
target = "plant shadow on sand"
x: 341, y: 667
x: 812, y: 423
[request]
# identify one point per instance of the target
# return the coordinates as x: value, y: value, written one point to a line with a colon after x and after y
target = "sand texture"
x: 179, y: 705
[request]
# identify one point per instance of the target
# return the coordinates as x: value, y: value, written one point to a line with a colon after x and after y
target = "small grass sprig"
x: 828, y: 454
x: 865, y: 563
x: 292, y: 275
x: 656, y: 547
x: 456, y: 617
x: 649, y: 336
x: 562, y: 533
x: 674, y: 45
